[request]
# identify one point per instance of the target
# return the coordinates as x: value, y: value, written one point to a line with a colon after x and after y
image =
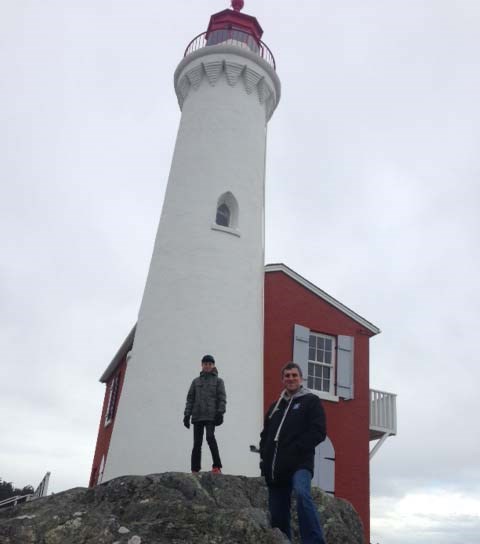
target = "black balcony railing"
x: 231, y: 36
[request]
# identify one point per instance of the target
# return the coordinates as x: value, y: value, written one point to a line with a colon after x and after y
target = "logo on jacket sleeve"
x: 296, y: 406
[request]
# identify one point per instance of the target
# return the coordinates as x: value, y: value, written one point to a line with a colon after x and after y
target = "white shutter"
x: 300, y: 349
x: 345, y: 367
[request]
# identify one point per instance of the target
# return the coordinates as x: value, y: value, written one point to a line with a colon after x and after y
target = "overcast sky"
x: 373, y: 194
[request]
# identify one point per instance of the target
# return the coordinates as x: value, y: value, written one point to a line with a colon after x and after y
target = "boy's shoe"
x: 216, y: 470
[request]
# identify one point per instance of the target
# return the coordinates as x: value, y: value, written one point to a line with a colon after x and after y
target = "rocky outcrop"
x: 173, y: 508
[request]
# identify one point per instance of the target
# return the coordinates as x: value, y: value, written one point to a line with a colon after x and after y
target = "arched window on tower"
x: 227, y: 214
x: 223, y: 215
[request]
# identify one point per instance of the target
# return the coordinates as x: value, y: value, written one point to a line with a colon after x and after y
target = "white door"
x: 324, y: 476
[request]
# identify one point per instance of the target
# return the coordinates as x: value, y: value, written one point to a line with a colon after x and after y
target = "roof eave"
x: 280, y: 267
x: 122, y: 351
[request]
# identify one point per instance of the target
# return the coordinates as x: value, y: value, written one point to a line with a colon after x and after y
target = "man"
x: 206, y: 402
x: 294, y: 426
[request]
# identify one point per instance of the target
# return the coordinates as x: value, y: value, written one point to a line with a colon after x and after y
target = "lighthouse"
x: 204, y: 290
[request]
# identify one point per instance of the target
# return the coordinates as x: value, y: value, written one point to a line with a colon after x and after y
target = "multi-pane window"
x: 112, y: 399
x: 321, y: 362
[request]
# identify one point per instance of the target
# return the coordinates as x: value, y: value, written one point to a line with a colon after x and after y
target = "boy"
x: 206, y: 402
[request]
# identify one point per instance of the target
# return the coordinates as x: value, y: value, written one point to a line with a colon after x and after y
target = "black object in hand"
x: 218, y: 419
x: 186, y: 421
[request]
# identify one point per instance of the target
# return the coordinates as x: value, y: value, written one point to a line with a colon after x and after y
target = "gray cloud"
x: 372, y: 194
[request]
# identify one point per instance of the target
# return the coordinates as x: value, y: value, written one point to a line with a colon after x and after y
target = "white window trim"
x: 228, y: 230
x: 101, y: 470
x: 327, y: 395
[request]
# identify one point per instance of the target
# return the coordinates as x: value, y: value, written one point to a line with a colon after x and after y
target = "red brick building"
x: 331, y: 344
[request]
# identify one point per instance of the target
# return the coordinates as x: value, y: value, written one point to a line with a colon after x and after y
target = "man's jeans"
x: 209, y: 427
x: 308, y: 519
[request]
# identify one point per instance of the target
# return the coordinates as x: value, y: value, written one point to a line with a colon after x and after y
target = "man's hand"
x: 218, y: 419
x: 186, y: 421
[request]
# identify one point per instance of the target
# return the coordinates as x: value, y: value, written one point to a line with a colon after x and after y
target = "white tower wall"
x: 204, y: 291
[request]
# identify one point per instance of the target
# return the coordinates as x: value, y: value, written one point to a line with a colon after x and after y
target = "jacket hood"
x: 300, y: 393
x: 283, y: 396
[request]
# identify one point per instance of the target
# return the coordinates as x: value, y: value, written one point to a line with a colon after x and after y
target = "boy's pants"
x: 198, y: 427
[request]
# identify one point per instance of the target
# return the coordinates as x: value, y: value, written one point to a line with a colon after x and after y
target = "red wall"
x: 105, y: 433
x: 288, y: 303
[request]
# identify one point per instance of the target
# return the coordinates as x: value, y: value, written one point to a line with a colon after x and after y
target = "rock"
x: 169, y: 508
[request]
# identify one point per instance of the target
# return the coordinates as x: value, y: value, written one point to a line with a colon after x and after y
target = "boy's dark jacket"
x: 303, y: 428
x: 206, y: 397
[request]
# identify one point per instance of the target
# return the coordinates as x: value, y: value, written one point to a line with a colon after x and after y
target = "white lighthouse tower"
x: 204, y: 291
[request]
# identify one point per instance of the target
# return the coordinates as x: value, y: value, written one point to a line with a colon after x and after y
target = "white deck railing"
x: 383, y: 411
x: 13, y: 501
x: 41, y: 491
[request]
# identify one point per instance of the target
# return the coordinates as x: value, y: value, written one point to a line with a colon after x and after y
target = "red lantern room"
x: 234, y: 21
x: 230, y: 27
